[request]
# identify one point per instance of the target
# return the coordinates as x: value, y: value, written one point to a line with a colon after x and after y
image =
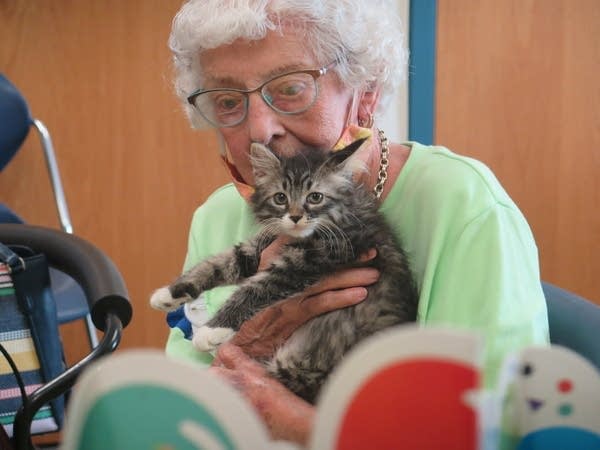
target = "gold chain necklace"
x: 383, y: 164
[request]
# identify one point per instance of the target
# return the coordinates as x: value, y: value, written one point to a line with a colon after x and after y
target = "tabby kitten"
x: 312, y: 198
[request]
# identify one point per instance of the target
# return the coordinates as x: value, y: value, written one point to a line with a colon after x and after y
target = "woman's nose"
x: 262, y: 121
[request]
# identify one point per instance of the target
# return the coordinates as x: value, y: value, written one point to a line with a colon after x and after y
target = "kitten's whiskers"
x: 339, y: 241
x: 269, y: 228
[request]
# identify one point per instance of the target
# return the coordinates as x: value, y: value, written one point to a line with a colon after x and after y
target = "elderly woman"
x: 471, y: 250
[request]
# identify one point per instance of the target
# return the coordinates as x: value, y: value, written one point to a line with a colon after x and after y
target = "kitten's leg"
x: 284, y: 278
x: 257, y: 293
x: 228, y: 267
x: 230, y: 316
x: 162, y: 299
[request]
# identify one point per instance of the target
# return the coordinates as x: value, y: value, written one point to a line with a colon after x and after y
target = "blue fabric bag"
x: 29, y: 333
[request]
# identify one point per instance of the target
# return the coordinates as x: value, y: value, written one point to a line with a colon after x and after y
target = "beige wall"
x: 517, y: 87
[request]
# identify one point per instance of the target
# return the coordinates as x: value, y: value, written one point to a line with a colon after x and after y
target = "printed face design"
x: 557, y: 388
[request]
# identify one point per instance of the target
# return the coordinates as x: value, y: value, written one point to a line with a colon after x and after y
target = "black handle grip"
x: 90, y: 267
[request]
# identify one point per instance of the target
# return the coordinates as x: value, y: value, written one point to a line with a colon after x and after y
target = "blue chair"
x: 574, y: 322
x: 15, y: 123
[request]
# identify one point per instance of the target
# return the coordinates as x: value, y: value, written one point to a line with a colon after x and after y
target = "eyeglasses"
x: 290, y: 93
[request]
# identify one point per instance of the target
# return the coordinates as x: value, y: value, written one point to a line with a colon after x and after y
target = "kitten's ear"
x: 342, y: 159
x: 264, y: 161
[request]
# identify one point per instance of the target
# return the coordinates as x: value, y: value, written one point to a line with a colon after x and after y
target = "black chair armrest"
x: 106, y: 295
x: 91, y: 268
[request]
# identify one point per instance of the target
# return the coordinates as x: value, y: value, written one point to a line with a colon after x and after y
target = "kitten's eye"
x: 280, y: 198
x: 314, y: 198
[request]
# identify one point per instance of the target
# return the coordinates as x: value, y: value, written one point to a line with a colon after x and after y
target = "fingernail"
x: 374, y: 275
x: 361, y: 294
x: 371, y: 253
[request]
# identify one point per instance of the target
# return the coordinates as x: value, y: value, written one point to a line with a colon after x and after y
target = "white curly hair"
x: 364, y: 36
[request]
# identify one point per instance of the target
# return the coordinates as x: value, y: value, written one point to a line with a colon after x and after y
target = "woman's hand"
x: 268, y: 329
x: 286, y: 416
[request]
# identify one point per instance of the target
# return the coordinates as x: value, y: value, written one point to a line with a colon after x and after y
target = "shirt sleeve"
x: 487, y: 280
x: 217, y: 224
x: 179, y: 344
x: 472, y: 252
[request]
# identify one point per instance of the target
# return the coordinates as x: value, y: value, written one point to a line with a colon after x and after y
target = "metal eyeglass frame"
x: 315, y: 73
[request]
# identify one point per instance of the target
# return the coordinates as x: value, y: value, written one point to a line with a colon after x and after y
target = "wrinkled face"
x: 246, y: 65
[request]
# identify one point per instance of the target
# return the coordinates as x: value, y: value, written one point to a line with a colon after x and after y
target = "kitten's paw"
x: 162, y: 300
x: 207, y: 339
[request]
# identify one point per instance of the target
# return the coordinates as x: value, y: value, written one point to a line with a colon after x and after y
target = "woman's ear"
x: 367, y: 106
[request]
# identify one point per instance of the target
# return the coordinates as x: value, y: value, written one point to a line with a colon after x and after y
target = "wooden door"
x: 518, y: 87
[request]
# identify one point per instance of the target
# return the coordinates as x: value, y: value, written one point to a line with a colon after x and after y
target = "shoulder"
x: 224, y: 219
x: 223, y: 199
x: 440, y: 179
x: 223, y: 205
x: 440, y: 195
x: 445, y: 172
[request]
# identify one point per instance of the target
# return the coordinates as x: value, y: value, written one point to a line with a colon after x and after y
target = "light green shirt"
x: 471, y: 251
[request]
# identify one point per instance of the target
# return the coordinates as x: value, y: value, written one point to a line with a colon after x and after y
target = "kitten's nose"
x: 295, y: 219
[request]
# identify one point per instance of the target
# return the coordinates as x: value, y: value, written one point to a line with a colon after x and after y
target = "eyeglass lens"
x: 288, y: 94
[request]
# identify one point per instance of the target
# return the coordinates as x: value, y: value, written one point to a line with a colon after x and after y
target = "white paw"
x: 161, y: 299
x: 207, y: 339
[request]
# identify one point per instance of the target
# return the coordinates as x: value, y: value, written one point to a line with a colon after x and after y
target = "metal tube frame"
x: 61, y: 204
x: 62, y: 383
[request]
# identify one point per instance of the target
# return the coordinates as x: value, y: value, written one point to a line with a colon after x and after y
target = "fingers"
x: 331, y: 300
x: 363, y: 276
x: 263, y: 333
x: 268, y: 329
x: 368, y: 256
